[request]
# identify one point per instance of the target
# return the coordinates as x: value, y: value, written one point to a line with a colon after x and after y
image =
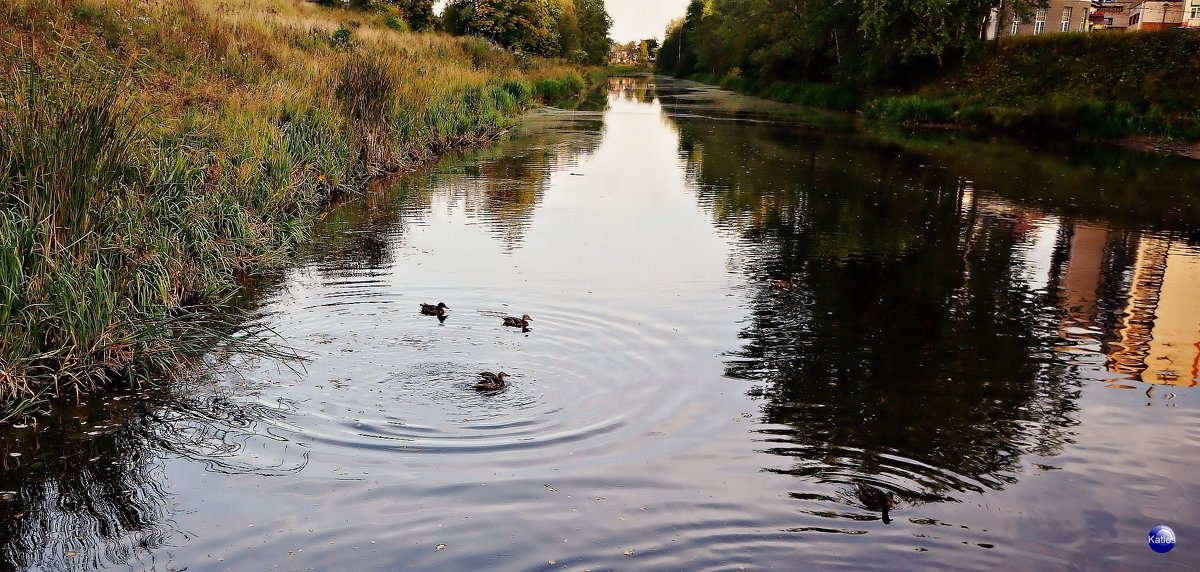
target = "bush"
x: 911, y: 109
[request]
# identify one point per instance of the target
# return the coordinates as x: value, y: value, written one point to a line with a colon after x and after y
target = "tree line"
x: 854, y: 42
x: 576, y: 30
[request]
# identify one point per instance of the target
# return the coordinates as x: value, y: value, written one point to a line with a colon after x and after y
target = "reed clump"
x: 151, y: 151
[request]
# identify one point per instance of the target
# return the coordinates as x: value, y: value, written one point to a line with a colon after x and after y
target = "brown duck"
x: 875, y: 499
x: 522, y: 322
x: 431, y: 310
x: 491, y: 381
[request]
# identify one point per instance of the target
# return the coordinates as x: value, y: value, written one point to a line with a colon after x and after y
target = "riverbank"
x: 1101, y: 86
x: 151, y: 153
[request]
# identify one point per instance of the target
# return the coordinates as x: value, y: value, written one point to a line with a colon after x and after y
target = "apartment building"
x: 1157, y: 15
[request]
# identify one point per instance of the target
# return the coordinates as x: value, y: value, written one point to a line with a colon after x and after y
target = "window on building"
x: 1016, y: 27
x: 1039, y: 22
x: 1065, y: 26
x: 1195, y: 13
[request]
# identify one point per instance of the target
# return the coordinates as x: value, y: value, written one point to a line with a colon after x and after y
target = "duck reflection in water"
x: 875, y: 499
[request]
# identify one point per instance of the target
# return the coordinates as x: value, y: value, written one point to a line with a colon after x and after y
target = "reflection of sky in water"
x: 950, y: 338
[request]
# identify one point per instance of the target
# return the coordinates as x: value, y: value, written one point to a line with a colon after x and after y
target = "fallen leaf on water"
x: 71, y: 554
x: 551, y: 562
x: 629, y: 552
x: 440, y: 547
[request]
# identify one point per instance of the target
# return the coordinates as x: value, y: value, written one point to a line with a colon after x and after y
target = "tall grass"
x: 151, y: 151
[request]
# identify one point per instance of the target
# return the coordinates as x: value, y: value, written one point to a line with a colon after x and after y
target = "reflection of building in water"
x: 1160, y: 334
x: 1154, y: 331
x: 1081, y: 277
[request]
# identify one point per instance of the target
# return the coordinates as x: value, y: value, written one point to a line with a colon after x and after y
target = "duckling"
x: 522, y: 322
x: 491, y: 381
x: 431, y: 310
x: 875, y: 499
x: 784, y: 284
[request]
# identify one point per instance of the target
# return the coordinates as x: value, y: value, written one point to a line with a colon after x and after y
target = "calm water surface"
x: 1007, y: 339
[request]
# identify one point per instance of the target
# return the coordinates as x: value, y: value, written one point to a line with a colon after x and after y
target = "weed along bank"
x: 152, y: 152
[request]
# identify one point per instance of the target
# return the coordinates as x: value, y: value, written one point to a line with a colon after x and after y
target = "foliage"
x: 559, y: 28
x: 858, y: 42
x: 594, y: 25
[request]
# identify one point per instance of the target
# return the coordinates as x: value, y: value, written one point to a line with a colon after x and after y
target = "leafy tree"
x: 527, y: 25
x: 594, y: 25
x: 855, y: 42
x: 418, y: 13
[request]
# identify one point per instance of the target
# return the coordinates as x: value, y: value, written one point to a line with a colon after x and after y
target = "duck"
x: 522, y: 322
x: 784, y: 284
x: 491, y: 381
x: 431, y: 310
x: 875, y: 499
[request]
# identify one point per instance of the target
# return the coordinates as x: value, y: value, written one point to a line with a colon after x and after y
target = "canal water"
x: 1005, y: 339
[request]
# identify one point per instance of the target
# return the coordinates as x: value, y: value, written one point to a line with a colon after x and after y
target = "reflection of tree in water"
x: 910, y: 349
x: 88, y: 490
x: 633, y: 89
x: 502, y: 184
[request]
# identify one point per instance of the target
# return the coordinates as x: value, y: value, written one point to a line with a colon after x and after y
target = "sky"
x: 636, y: 19
x: 641, y: 19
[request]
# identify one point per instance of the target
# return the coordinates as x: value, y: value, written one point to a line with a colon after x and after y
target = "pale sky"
x: 636, y: 19
x: 641, y: 19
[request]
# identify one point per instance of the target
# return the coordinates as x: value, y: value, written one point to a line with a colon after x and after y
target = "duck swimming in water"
x: 491, y: 381
x: 522, y: 322
x: 431, y: 310
x: 875, y: 499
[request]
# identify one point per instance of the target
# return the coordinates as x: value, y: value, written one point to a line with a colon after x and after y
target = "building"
x: 1110, y: 14
x: 1157, y: 15
x: 1060, y: 16
x: 1191, y: 15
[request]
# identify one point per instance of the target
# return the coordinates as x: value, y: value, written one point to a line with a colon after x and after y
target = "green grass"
x: 151, y: 153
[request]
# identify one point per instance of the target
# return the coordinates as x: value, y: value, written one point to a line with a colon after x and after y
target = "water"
x: 1004, y: 338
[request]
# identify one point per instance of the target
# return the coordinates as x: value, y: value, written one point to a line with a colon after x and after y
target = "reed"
x: 151, y: 151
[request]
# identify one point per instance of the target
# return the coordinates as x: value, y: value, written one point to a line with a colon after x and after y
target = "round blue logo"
x: 1162, y: 539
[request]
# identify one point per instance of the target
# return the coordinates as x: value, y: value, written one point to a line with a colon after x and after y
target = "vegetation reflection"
x: 903, y: 342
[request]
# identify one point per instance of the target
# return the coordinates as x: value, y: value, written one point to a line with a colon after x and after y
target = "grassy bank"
x: 151, y: 151
x: 1096, y: 85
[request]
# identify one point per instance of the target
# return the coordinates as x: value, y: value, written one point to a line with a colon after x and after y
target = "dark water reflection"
x: 1005, y: 338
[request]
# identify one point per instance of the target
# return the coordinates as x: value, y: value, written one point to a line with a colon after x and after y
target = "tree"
x: 418, y: 13
x: 594, y: 25
x: 527, y: 25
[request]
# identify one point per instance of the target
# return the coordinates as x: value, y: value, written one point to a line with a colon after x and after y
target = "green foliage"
x: 912, y: 109
x: 554, y: 90
x: 396, y: 24
x: 594, y: 25
x: 560, y: 28
x: 342, y: 39
x: 418, y: 13
x: 860, y: 43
